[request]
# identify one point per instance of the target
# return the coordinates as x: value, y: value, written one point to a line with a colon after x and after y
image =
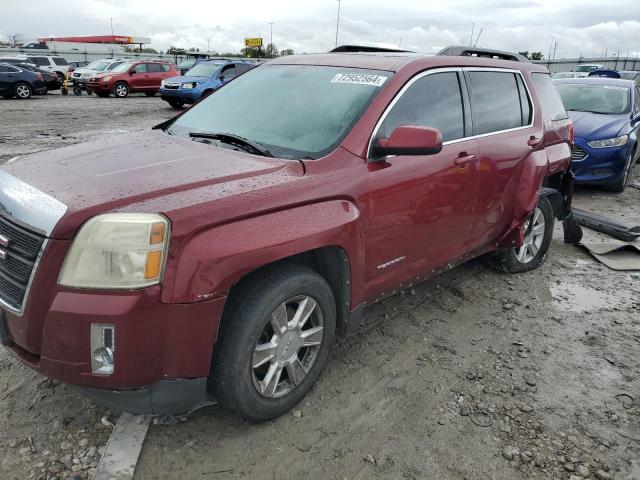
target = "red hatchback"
x: 134, y: 76
x: 223, y: 251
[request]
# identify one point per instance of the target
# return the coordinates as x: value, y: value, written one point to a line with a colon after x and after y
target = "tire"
x: 150, y: 94
x: 176, y: 103
x: 121, y: 90
x: 77, y: 91
x: 536, y: 247
x: 206, y: 93
x: 64, y: 91
x: 251, y: 348
x: 89, y: 92
x: 620, y: 185
x: 23, y: 91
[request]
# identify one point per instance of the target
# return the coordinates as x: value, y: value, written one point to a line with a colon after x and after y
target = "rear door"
x: 7, y: 79
x: 421, y: 207
x: 155, y: 74
x: 502, y: 117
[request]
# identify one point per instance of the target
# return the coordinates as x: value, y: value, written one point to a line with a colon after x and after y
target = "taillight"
x: 571, y: 132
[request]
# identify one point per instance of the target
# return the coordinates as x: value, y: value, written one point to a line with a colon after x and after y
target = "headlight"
x: 117, y: 251
x: 189, y: 85
x: 162, y: 84
x: 107, y: 78
x: 609, y: 142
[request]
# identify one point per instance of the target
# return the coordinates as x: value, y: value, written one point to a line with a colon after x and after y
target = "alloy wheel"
x: 121, y: 90
x: 288, y: 347
x: 534, y: 236
x: 23, y: 91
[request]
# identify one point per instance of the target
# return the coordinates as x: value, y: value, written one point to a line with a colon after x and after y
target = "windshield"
x: 123, y: 67
x: 186, y: 63
x: 294, y: 111
x: 606, y: 99
x: 205, y: 69
x: 586, y: 68
x: 97, y: 65
x: 113, y: 65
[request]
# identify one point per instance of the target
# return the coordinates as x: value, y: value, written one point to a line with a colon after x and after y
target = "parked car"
x: 75, y: 65
x: 185, y: 65
x: 132, y: 76
x: 586, y: 68
x: 52, y: 80
x: 224, y: 250
x: 82, y: 75
x: 57, y: 65
x: 19, y: 82
x: 606, y: 118
x: 202, y: 80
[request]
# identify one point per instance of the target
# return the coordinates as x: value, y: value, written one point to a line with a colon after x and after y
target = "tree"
x: 252, y: 52
x: 287, y: 51
x: 271, y: 50
x: 537, y: 56
x: 525, y: 54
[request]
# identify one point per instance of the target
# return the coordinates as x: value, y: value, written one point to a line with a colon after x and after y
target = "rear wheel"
x: 534, y: 250
x: 276, y: 335
x: 77, y: 91
x: 121, y: 90
x: 23, y: 91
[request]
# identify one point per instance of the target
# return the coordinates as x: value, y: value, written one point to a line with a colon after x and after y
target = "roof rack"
x: 362, y: 48
x: 461, y: 51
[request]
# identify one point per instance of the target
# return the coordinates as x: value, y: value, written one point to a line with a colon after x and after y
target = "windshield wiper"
x: 236, y: 141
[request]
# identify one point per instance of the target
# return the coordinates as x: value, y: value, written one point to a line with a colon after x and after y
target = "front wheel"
x: 537, y: 240
x: 176, y: 103
x: 276, y: 335
x: 620, y: 185
x: 121, y: 90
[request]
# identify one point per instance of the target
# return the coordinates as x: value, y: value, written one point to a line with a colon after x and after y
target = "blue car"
x: 203, y: 79
x: 606, y: 119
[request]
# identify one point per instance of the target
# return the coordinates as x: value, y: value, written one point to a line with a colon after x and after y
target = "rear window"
x: 552, y: 105
x: 60, y: 61
x: 495, y: 102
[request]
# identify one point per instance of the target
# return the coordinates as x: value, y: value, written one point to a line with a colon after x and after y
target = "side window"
x: 60, y: 61
x: 552, y: 105
x: 154, y: 67
x: 636, y: 110
x: 166, y: 67
x: 140, y: 68
x: 525, y: 101
x: 229, y: 72
x: 431, y: 101
x: 243, y: 67
x: 40, y: 61
x: 4, y: 69
x: 495, y: 102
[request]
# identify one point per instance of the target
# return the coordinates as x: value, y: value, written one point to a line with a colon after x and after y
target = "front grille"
x: 171, y: 86
x: 578, y: 154
x: 21, y: 252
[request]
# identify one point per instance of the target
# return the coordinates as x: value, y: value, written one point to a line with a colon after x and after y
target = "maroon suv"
x: 222, y: 252
x: 132, y: 76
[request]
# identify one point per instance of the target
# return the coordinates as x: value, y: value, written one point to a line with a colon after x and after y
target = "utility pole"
x: 338, y: 23
x: 550, y: 47
x: 555, y: 46
x: 271, y: 37
x: 111, y: 22
x: 473, y: 26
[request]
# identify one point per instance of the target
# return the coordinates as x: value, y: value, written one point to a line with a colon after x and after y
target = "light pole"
x: 338, y: 23
x: 271, y: 37
x: 111, y: 22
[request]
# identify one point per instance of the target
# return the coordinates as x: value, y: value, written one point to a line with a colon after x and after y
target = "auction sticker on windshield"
x: 359, y: 79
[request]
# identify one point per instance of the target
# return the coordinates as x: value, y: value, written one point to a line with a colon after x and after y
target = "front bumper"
x: 99, y: 86
x: 162, y: 351
x: 601, y: 165
x: 187, y: 96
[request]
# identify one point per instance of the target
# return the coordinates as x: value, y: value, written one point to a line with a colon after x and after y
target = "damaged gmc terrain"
x: 222, y: 252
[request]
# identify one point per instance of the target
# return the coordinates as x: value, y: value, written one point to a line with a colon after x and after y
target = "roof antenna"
x: 478, y: 37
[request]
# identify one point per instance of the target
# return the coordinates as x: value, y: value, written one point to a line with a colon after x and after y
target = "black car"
x: 53, y: 80
x: 19, y: 82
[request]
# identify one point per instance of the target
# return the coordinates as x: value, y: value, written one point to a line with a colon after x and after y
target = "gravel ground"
x: 472, y: 375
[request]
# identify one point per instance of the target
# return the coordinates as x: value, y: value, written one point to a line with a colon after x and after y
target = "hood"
x: 86, y: 70
x: 113, y: 174
x: 595, y: 126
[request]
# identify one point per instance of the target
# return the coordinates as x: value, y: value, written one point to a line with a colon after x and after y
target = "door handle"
x: 463, y: 160
x: 534, y: 141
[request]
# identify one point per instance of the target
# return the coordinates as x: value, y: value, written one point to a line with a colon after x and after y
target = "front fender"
x: 212, y: 261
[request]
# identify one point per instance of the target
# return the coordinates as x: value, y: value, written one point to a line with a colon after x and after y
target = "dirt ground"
x: 472, y: 375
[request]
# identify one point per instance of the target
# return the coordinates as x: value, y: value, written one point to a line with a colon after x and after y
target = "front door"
x: 139, y: 77
x: 421, y: 208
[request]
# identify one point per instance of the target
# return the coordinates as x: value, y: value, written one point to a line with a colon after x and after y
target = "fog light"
x: 102, y: 349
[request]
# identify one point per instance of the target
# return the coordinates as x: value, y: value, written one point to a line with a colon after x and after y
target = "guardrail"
x: 570, y: 64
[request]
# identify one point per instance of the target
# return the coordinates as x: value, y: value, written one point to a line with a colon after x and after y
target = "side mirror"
x: 221, y: 78
x: 409, y: 140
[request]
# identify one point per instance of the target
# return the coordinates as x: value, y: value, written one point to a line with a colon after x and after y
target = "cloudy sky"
x: 581, y: 27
